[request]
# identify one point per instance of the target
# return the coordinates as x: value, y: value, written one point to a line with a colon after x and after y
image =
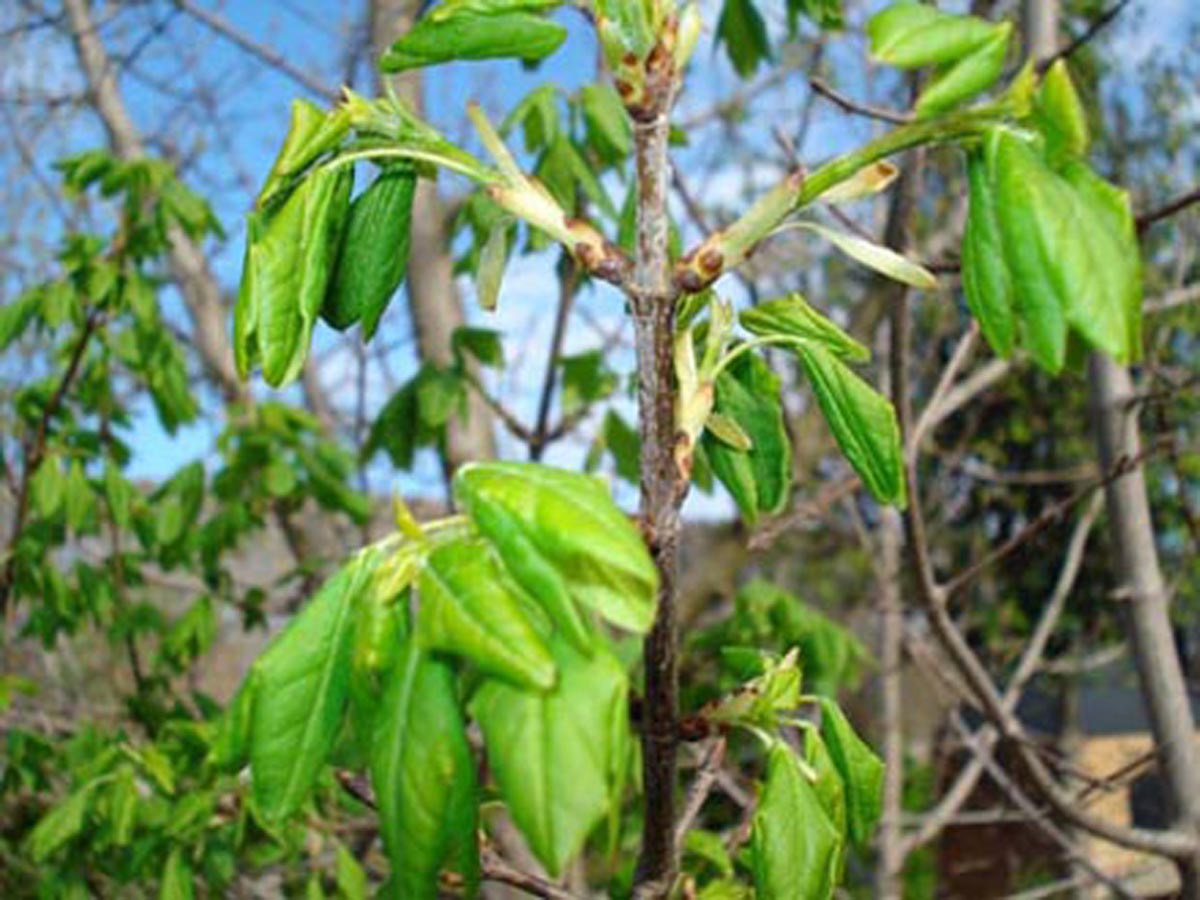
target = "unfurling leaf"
x: 478, y: 29
x: 874, y: 256
x: 374, y: 252
x: 985, y: 279
x: 563, y: 540
x: 290, y: 256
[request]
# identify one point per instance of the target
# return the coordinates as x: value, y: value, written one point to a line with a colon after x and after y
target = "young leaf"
x: 831, y: 791
x: 300, y: 692
x: 793, y: 843
x: 862, y: 421
x: 424, y: 777
x: 743, y: 32
x: 470, y: 607
x: 911, y: 35
x: 176, y: 878
x: 884, y: 261
x: 63, y: 822
x: 556, y: 755
x: 985, y: 279
x: 1061, y: 116
x: 564, y: 541
x: 791, y: 316
x: 971, y: 75
x: 290, y: 258
x: 489, y: 275
x: 1025, y: 207
x: 374, y: 252
x: 861, y: 770
x: 758, y: 479
x: 478, y: 29
x: 608, y: 128
x: 313, y: 132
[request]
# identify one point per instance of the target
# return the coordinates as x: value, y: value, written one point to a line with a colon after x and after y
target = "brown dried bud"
x: 711, y: 261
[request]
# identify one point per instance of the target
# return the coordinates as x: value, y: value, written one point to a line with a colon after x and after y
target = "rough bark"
x: 1136, y: 565
x: 433, y: 298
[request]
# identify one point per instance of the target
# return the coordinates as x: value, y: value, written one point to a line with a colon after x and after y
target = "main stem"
x: 653, y: 301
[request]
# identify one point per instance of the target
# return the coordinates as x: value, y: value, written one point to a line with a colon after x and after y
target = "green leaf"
x: 760, y: 479
x: 62, y: 823
x: 586, y: 378
x: 176, y: 878
x: 1102, y: 266
x: 743, y: 32
x: 564, y: 541
x: 374, y: 252
x: 290, y: 258
x: 761, y: 702
x: 424, y: 777
x: 48, y: 487
x: 886, y: 262
x: 860, y: 768
x: 483, y: 344
x: 609, y: 132
x: 469, y: 607
x: 1060, y: 115
x: 792, y: 316
x: 709, y: 847
x: 300, y: 692
x: 351, y: 878
x: 831, y: 791
x: 728, y: 432
x: 493, y: 258
x: 793, y: 843
x: 311, y: 134
x: 862, y: 421
x: 985, y: 279
x: 556, y: 756
x: 911, y: 35
x: 477, y: 29
x: 1025, y: 211
x: 230, y: 747
x: 968, y: 77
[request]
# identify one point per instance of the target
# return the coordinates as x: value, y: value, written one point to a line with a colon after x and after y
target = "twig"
x: 1100, y: 23
x: 259, y: 51
x: 495, y: 868
x: 853, y: 106
x: 568, y: 285
x: 1168, y: 209
x: 706, y: 776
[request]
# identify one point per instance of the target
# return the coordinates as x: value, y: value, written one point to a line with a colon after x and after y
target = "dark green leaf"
x: 374, y: 252
x: 985, y: 279
x: 743, y: 33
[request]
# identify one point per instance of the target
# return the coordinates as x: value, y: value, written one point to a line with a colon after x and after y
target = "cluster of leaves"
x: 494, y: 616
x: 101, y: 808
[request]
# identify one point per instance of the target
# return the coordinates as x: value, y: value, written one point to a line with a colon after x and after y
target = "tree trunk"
x: 1131, y: 529
x: 433, y: 298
